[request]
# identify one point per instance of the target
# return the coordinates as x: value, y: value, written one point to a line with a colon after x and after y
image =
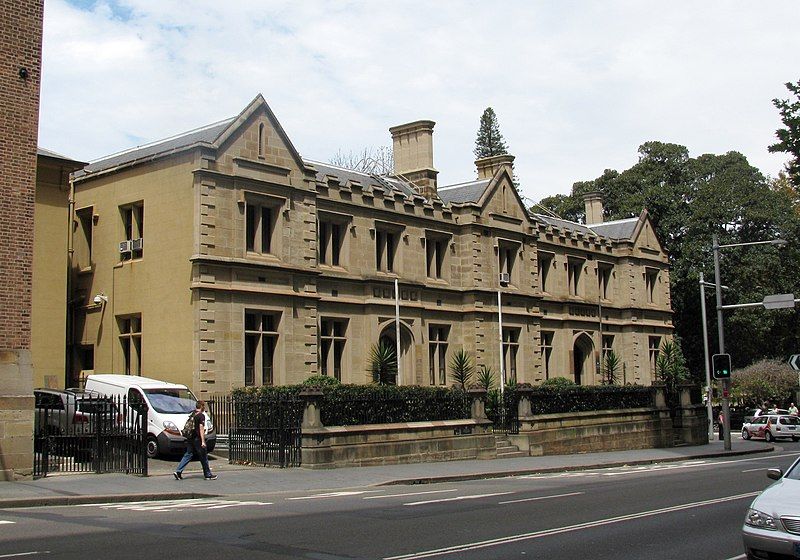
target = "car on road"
x: 772, y: 522
x: 772, y: 426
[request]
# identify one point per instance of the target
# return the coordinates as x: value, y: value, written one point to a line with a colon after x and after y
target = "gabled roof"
x: 565, y: 225
x: 471, y: 191
x: 618, y: 229
x: 206, y: 135
x: 343, y: 175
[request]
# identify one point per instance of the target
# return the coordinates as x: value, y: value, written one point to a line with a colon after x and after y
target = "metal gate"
x: 504, y: 413
x: 266, y: 431
x: 76, y: 431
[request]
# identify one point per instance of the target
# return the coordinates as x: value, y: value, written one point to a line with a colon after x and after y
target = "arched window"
x: 261, y: 140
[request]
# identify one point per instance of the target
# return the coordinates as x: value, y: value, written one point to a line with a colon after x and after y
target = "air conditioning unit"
x: 126, y: 246
x: 505, y: 278
x: 137, y: 244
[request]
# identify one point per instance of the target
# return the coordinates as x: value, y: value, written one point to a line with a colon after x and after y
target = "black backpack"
x: 188, y: 428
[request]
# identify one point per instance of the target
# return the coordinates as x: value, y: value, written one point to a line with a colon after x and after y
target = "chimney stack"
x: 488, y: 166
x: 412, y: 149
x: 593, y: 201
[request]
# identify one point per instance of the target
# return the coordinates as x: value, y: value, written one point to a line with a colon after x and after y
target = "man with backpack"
x: 195, y: 433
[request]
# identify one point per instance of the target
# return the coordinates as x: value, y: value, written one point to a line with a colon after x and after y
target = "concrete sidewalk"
x: 235, y: 480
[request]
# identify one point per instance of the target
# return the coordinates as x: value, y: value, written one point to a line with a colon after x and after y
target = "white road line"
x: 408, y: 494
x: 2, y: 522
x: 541, y: 498
x: 559, y: 530
x: 178, y: 505
x: 737, y: 557
x: 457, y: 498
x: 753, y: 470
x: 19, y: 554
x: 237, y: 504
x: 335, y: 495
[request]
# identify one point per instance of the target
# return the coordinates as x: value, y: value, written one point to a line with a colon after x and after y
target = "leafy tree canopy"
x: 689, y: 200
x: 490, y: 141
x: 789, y: 136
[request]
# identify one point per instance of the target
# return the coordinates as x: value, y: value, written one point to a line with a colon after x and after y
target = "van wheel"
x: 152, y: 447
x: 768, y: 436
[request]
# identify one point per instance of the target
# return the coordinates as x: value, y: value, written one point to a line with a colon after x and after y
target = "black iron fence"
x: 88, y: 434
x: 503, y: 411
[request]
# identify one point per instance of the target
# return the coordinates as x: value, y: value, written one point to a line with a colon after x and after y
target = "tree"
x: 765, y: 382
x: 383, y: 364
x: 461, y: 368
x: 375, y: 161
x: 789, y: 136
x: 689, y: 200
x: 490, y: 141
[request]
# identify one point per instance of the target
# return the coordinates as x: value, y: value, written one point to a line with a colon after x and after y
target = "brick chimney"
x: 412, y: 148
x: 488, y: 166
x: 593, y: 202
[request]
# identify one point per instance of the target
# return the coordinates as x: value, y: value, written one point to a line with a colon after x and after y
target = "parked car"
x: 772, y: 523
x: 772, y: 426
x: 168, y: 408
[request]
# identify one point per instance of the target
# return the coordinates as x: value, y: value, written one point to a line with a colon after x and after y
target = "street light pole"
x: 709, y: 391
x: 726, y: 383
x: 500, y: 328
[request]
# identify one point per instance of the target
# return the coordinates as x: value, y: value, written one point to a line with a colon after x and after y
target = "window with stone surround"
x: 510, y: 351
x: 546, y: 348
x: 574, y: 276
x: 507, y: 259
x: 133, y: 230
x: 130, y: 339
x: 653, y: 343
x: 332, y: 339
x: 544, y: 264
x: 604, y: 275
x: 436, y: 245
x: 651, y: 281
x: 437, y: 353
x: 260, y: 341
x: 387, y: 243
x: 260, y: 218
x: 332, y: 238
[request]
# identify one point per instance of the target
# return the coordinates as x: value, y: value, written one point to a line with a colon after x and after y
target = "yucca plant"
x: 486, y: 377
x: 383, y: 364
x: 461, y: 368
x: 610, y: 368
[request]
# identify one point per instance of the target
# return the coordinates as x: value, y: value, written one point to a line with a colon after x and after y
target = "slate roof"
x: 619, y: 229
x: 463, y: 192
x: 343, y: 175
x: 205, y: 135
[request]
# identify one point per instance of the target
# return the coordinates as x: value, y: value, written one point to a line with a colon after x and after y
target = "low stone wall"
x: 602, y: 430
x: 388, y: 444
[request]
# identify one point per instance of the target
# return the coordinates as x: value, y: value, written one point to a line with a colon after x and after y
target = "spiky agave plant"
x: 383, y: 364
x: 486, y: 377
x: 611, y: 367
x: 461, y: 368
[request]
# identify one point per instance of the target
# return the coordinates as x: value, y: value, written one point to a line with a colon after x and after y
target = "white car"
x: 772, y: 523
x: 772, y: 426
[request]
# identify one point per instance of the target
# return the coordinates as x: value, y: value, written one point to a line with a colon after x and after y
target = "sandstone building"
x: 221, y: 258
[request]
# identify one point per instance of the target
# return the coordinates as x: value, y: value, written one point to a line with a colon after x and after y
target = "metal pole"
x: 705, y: 354
x: 397, y: 327
x: 726, y: 383
x: 500, y: 329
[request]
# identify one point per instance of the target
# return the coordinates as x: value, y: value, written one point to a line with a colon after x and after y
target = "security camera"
x: 100, y: 299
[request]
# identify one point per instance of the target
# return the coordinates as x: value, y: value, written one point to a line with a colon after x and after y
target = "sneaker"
x: 177, y: 475
x: 212, y: 477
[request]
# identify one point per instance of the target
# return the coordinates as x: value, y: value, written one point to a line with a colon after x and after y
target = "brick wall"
x: 20, y: 47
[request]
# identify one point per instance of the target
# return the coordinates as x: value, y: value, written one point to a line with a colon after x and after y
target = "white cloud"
x: 577, y: 86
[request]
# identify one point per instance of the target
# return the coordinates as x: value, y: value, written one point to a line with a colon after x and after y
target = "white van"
x: 169, y: 405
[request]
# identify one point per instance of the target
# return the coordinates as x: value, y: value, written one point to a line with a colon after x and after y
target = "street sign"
x: 778, y: 301
x: 794, y: 361
x: 721, y: 366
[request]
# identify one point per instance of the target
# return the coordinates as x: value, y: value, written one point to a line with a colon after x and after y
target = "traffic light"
x: 721, y: 366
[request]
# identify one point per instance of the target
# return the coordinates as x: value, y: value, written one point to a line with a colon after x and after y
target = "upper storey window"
x: 331, y: 243
x: 507, y: 260
x: 387, y: 243
x: 651, y: 281
x: 545, y: 263
x: 435, y: 254
x: 83, y: 226
x: 604, y: 273
x: 575, y: 276
x: 261, y: 217
x: 133, y: 231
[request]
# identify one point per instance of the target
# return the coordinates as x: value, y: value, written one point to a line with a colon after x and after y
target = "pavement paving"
x: 238, y: 480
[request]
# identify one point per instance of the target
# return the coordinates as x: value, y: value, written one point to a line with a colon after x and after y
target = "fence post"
x: 312, y: 418
x: 659, y: 395
x: 524, y: 409
x: 478, y: 410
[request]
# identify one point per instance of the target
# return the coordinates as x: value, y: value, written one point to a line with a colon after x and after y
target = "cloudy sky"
x: 577, y: 85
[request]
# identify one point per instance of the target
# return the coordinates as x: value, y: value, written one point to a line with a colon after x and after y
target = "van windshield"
x: 171, y: 401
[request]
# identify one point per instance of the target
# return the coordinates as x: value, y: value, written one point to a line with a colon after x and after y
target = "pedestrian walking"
x: 196, y: 444
x: 721, y: 421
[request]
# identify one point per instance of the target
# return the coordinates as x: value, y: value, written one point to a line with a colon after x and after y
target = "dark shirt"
x: 199, y: 420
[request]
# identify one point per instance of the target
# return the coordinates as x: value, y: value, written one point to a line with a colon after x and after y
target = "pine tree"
x: 490, y: 141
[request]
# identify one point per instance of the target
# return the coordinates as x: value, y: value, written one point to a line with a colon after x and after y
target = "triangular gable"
x: 259, y: 104
x: 494, y: 185
x: 644, y: 235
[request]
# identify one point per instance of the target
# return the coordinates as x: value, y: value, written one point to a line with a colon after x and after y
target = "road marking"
x: 408, y: 494
x: 457, y: 498
x: 737, y: 557
x: 559, y: 530
x: 177, y: 505
x: 335, y: 495
x: 2, y: 522
x: 754, y: 470
x: 18, y: 554
x: 541, y: 498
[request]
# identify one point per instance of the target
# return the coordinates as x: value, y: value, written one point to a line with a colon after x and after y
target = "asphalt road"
x: 691, y: 510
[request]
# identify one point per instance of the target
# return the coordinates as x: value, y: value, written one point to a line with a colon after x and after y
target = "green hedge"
x: 580, y: 398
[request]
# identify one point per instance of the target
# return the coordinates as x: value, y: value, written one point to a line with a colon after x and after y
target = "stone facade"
x: 20, y: 60
x: 261, y: 266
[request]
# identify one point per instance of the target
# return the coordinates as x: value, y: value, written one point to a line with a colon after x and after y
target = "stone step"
x: 511, y: 454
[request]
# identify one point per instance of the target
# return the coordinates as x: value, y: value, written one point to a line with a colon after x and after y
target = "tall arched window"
x: 261, y: 140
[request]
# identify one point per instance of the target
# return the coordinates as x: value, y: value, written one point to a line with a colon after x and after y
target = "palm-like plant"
x: 670, y: 369
x: 611, y: 367
x: 383, y: 364
x: 461, y: 368
x: 486, y: 377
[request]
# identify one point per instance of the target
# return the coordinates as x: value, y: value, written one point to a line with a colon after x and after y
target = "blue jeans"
x: 194, y: 448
